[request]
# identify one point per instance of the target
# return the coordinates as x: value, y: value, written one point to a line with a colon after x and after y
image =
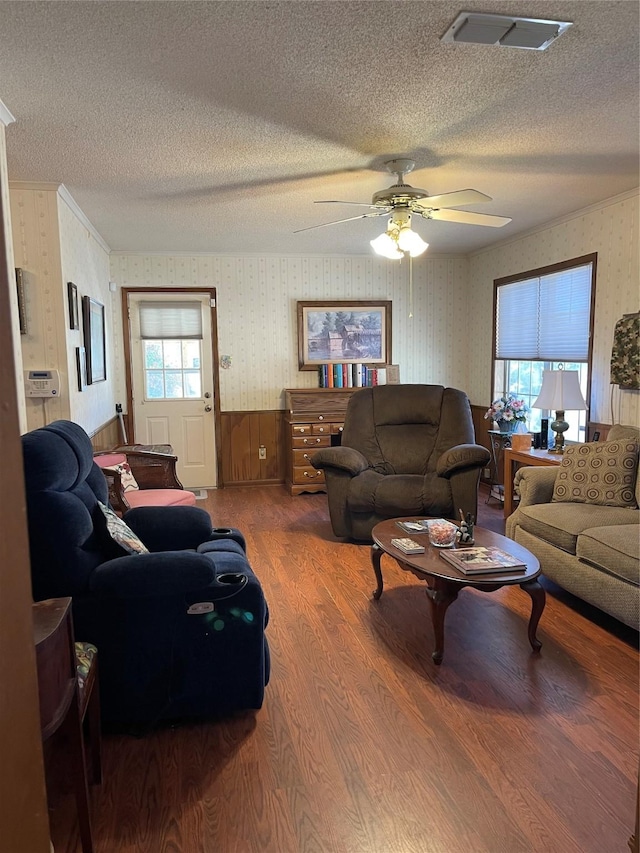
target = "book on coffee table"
x: 481, y: 560
x: 408, y: 546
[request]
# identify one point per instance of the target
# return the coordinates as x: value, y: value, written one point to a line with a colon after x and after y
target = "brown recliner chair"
x: 406, y: 450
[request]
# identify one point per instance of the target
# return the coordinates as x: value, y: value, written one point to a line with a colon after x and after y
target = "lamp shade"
x: 386, y: 246
x: 560, y: 391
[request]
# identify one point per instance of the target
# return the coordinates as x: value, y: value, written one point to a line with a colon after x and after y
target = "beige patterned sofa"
x: 585, y: 545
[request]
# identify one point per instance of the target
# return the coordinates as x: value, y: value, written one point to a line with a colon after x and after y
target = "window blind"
x: 545, y: 318
x: 170, y: 320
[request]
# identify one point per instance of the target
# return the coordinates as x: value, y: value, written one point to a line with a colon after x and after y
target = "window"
x: 543, y: 320
x: 171, y: 335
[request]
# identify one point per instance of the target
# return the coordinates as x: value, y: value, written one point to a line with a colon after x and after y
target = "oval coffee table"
x: 444, y: 582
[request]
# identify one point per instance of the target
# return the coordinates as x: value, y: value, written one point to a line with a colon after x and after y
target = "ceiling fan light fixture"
x: 410, y: 241
x: 386, y: 246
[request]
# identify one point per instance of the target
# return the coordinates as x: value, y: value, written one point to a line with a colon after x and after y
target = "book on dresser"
x: 481, y: 560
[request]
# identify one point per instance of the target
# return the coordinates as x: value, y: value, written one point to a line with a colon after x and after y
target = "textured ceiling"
x: 213, y: 126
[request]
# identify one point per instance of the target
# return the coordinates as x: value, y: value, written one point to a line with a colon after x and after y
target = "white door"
x: 172, y: 386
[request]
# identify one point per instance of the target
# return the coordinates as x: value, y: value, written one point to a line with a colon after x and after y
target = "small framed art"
x: 72, y: 297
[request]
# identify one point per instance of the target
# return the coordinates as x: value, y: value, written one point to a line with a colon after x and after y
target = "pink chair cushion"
x: 161, y: 497
x: 109, y: 460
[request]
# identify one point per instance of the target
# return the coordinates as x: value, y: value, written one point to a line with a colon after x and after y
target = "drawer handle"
x: 312, y: 476
x: 306, y: 441
x: 301, y: 429
x: 320, y: 417
x: 306, y: 456
x: 320, y: 429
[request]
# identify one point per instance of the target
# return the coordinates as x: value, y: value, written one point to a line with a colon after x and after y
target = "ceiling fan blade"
x: 467, y: 218
x: 337, y: 221
x: 455, y: 199
x: 359, y: 203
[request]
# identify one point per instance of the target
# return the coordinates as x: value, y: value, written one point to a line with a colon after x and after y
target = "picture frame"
x: 344, y: 332
x: 72, y: 297
x: 81, y: 367
x: 22, y: 308
x: 94, y: 340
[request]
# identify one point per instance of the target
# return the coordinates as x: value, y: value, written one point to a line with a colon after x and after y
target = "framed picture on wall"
x: 81, y: 367
x: 94, y: 340
x: 343, y: 332
x: 72, y: 297
x: 22, y: 308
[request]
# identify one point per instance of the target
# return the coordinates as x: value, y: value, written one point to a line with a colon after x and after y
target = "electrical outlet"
x: 486, y: 473
x: 262, y: 452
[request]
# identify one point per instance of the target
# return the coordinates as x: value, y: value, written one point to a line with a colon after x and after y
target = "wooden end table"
x: 444, y: 582
x: 522, y: 457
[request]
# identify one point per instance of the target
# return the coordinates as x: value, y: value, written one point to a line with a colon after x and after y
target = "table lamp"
x: 560, y: 392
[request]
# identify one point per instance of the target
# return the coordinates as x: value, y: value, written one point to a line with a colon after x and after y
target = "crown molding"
x: 6, y: 116
x: 65, y: 195
x: 568, y: 217
x: 432, y: 256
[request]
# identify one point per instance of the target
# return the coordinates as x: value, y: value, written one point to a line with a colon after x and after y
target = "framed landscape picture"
x: 343, y: 332
x: 94, y: 340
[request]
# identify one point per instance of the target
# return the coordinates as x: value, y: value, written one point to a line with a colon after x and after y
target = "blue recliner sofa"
x: 180, y: 630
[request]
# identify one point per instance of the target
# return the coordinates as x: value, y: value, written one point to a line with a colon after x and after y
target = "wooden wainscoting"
x: 482, y: 428
x: 242, y: 436
x: 107, y: 436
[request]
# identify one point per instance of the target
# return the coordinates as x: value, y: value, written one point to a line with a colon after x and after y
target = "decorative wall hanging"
x: 343, y: 332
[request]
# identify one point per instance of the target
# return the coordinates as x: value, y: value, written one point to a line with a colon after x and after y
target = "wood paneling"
x: 482, y: 428
x: 108, y: 436
x: 242, y: 436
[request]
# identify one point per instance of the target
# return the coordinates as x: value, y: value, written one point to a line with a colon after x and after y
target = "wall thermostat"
x: 42, y: 383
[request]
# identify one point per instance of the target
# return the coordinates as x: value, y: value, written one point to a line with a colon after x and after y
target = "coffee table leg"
x: 440, y: 596
x: 376, y: 556
x: 538, y: 598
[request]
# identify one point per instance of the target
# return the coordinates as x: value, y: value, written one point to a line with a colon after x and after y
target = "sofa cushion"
x: 560, y: 524
x: 160, y: 497
x: 600, y: 473
x: 614, y: 549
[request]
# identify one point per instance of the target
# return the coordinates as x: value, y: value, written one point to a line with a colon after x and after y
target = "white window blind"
x: 545, y: 318
x: 170, y: 321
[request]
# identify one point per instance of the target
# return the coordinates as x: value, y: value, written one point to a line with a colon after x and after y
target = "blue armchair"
x: 180, y: 630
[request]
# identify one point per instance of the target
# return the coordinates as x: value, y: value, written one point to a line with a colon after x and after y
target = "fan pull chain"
x: 410, y: 287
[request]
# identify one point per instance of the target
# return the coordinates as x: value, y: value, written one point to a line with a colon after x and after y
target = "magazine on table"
x: 482, y: 560
x: 414, y: 526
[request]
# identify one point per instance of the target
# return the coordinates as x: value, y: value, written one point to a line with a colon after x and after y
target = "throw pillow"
x: 121, y: 533
x: 127, y: 479
x: 600, y: 473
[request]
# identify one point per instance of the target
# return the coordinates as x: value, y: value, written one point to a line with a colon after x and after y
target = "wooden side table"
x: 522, y: 457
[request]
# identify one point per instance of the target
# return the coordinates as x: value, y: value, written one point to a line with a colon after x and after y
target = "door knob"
x: 207, y: 408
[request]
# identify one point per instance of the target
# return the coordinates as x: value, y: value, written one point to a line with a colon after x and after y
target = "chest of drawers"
x: 314, y: 418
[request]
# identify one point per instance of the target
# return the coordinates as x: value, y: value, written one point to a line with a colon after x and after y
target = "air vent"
x: 504, y: 31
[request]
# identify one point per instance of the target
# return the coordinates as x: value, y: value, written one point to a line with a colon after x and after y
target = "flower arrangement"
x: 508, y: 408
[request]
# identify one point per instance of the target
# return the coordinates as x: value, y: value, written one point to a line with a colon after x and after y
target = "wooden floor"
x: 364, y: 745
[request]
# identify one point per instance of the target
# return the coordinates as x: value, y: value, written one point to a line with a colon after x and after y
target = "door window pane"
x: 172, y: 369
x: 154, y: 384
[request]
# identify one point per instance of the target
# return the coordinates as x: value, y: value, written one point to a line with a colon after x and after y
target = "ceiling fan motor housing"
x: 398, y: 194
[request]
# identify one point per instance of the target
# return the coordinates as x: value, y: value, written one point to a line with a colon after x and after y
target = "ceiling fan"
x: 401, y: 200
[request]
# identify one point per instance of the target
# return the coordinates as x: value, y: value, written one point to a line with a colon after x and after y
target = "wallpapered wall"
x: 257, y: 320
x: 610, y: 229
x: 17, y: 346
x: 85, y: 262
x: 52, y: 246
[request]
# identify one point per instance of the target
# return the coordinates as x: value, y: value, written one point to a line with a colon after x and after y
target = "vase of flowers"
x: 508, y: 412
